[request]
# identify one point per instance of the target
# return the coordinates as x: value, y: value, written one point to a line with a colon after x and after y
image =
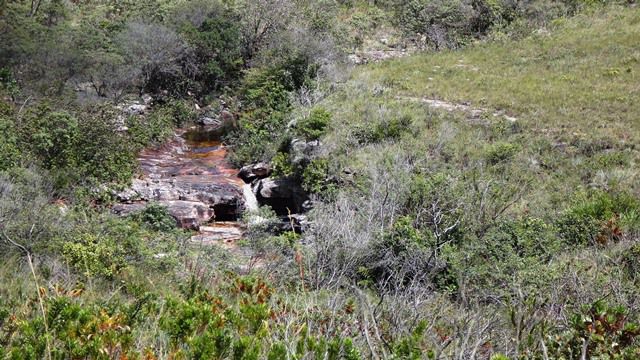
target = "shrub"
x: 110, y: 247
x: 27, y: 214
x: 594, y: 216
x: 52, y: 136
x: 218, y: 47
x: 156, y: 52
x: 9, y: 149
x: 400, y: 258
x: 444, y: 23
x: 156, y: 217
x: 7, y: 82
x: 315, y: 125
x: 78, y: 148
x: 528, y: 237
x: 104, y: 156
x: 264, y: 118
x: 153, y: 129
x: 180, y: 111
x: 631, y: 261
x: 611, y: 160
x: 576, y: 229
x: 95, y: 256
x: 609, y: 333
x: 503, y: 254
x: 434, y: 202
x: 387, y: 129
x: 500, y: 152
x: 281, y: 164
x: 315, y: 178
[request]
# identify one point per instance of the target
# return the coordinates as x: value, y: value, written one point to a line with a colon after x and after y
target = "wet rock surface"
x: 191, y: 178
x: 253, y: 172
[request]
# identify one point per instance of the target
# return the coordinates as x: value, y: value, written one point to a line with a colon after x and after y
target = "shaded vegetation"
x: 477, y: 200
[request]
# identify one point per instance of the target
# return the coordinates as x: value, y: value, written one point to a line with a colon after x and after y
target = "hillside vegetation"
x: 477, y: 197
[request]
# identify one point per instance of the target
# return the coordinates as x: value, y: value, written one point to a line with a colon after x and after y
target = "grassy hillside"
x: 518, y: 192
x: 482, y: 203
x: 581, y: 74
x: 573, y: 89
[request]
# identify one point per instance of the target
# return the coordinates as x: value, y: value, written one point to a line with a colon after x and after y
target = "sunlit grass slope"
x: 583, y: 73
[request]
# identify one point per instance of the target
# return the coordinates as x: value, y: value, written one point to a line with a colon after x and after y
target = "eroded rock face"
x: 250, y: 173
x: 190, y: 178
x: 283, y: 195
x: 302, y: 150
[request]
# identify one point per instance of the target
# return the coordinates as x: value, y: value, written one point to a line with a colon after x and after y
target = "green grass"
x: 573, y: 89
x: 582, y: 73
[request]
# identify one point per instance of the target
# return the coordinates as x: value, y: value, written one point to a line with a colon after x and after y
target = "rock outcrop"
x: 190, y: 178
x: 284, y: 196
x: 302, y: 151
x: 253, y: 172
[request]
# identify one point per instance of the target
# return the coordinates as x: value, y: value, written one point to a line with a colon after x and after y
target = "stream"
x: 190, y: 176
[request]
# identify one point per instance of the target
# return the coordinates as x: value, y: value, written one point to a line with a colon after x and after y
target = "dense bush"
x: 314, y: 126
x: 75, y: 148
x: 433, y: 234
x: 9, y: 148
x: 262, y: 124
x: 315, y: 178
x: 499, y: 152
x: 452, y: 24
x: 156, y: 217
x: 218, y: 48
x: 598, y: 330
x: 595, y: 217
x: 386, y: 129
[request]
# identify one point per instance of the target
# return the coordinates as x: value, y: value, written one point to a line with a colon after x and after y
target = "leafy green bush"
x: 500, y: 152
x: 77, y: 148
x: 9, y: 150
x: 446, y: 24
x: 156, y: 217
x: 594, y: 217
x: 506, y: 250
x: 110, y: 247
x: 388, y: 129
x: 315, y: 178
x: 7, y: 82
x: 631, y: 261
x: 262, y: 123
x: 153, y: 129
x: 609, y: 332
x: 401, y: 256
x: 180, y: 111
x: 52, y: 136
x: 576, y: 229
x: 104, y: 156
x: 95, y: 256
x: 218, y: 48
x: 281, y: 165
x: 451, y: 24
x: 315, y: 125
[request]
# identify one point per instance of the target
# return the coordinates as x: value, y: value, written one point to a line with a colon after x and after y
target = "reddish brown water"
x: 190, y: 159
x: 194, y: 157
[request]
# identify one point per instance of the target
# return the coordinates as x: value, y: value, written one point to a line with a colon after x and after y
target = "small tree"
x: 157, y: 51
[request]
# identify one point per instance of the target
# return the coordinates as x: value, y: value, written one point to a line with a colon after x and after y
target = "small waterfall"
x: 250, y: 201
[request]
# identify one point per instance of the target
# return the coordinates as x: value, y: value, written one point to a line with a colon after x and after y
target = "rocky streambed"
x: 190, y: 176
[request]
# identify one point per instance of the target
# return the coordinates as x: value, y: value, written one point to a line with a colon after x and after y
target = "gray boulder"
x: 252, y: 172
x: 302, y: 151
x: 284, y: 196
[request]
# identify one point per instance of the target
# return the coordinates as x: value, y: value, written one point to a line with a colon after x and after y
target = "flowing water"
x: 196, y: 159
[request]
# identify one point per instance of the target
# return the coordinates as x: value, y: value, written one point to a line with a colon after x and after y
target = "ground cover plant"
x: 477, y: 197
